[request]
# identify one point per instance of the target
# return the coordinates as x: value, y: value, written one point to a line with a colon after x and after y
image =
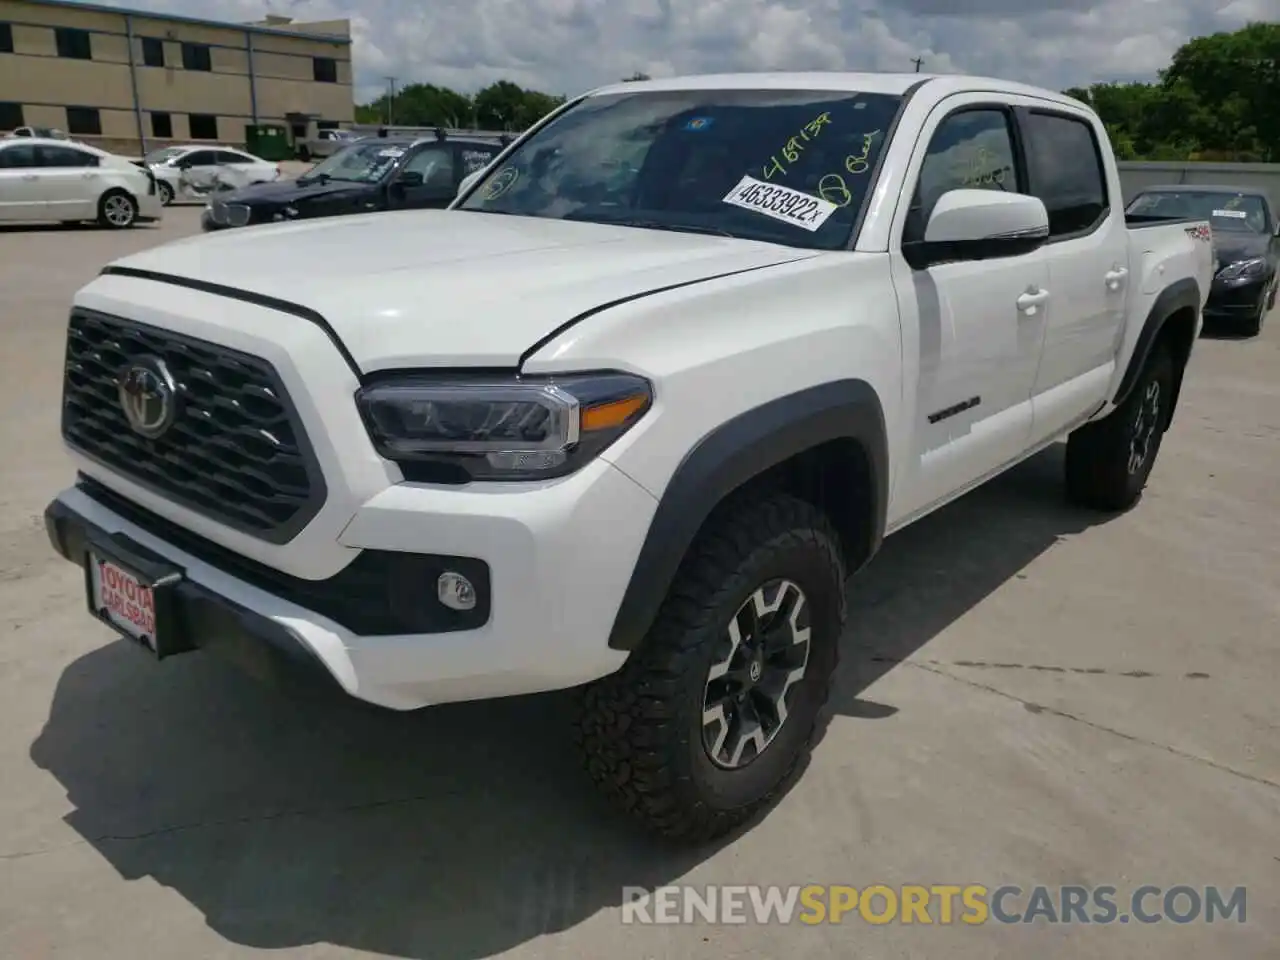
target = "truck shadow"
x: 458, y: 832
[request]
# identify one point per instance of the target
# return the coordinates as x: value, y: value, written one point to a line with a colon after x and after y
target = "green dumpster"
x: 269, y: 141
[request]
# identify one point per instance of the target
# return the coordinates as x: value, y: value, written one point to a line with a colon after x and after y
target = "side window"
x: 200, y: 158
x: 65, y: 157
x: 435, y: 164
x: 971, y: 149
x: 17, y: 156
x: 229, y: 156
x: 1066, y: 172
x: 476, y: 158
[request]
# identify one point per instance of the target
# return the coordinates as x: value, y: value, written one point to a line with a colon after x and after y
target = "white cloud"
x: 567, y: 46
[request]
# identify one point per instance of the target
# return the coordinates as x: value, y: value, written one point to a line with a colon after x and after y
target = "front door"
x: 198, y: 171
x: 976, y: 327
x: 427, y: 178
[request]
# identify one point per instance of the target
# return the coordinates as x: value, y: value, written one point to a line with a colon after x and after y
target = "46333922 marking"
x: 781, y: 203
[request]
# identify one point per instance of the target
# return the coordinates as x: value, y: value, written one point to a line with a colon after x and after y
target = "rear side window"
x: 972, y: 149
x: 476, y: 158
x: 229, y: 156
x: 1066, y: 172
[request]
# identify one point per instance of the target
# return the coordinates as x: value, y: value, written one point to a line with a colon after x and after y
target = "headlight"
x: 454, y: 431
x: 1243, y: 268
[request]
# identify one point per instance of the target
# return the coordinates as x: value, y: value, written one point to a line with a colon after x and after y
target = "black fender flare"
x: 728, y: 457
x: 1182, y: 294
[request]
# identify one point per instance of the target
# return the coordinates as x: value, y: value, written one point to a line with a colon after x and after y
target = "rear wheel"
x: 710, y: 717
x: 1109, y: 460
x: 117, y: 210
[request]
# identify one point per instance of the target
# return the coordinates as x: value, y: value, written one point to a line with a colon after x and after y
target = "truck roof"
x: 868, y: 82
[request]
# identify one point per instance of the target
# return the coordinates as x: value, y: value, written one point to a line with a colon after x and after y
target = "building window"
x: 6, y: 40
x: 11, y: 116
x: 152, y: 52
x: 73, y: 44
x: 324, y: 69
x: 162, y: 126
x: 195, y: 56
x: 203, y: 126
x: 84, y: 121
x: 327, y: 124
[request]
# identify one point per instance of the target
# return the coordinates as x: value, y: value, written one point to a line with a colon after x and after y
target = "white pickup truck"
x: 627, y: 415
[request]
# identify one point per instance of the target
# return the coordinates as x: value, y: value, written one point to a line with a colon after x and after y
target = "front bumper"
x: 558, y: 559
x: 1237, y: 299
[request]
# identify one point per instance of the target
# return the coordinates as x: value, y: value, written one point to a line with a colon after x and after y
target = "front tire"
x: 707, y: 721
x: 166, y: 193
x: 117, y: 210
x: 1108, y: 461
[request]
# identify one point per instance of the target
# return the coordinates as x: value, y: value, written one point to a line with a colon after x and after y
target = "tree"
x: 1219, y: 99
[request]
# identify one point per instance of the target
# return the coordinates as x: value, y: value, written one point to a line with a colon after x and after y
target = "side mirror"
x: 980, y: 225
x: 409, y: 178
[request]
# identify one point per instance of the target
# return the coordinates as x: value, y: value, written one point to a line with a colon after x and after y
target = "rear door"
x: 70, y: 182
x: 20, y: 197
x: 1088, y: 259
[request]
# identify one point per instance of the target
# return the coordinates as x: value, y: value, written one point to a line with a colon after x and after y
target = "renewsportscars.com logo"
x: 942, y: 904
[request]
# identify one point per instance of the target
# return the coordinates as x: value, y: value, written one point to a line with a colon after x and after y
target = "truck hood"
x: 451, y: 288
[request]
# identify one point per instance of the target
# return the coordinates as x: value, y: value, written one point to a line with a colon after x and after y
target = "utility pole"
x: 391, y: 98
x: 917, y: 61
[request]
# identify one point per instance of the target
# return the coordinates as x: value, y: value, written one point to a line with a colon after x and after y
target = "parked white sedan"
x: 46, y: 179
x: 193, y: 172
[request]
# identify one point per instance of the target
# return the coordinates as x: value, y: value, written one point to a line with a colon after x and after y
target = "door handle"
x: 31, y: 176
x: 1030, y: 301
x: 1115, y: 278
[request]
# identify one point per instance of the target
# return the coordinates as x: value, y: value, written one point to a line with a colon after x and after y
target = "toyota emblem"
x: 148, y: 396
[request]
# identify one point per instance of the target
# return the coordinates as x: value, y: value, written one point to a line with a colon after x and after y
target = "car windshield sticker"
x: 697, y: 124
x: 501, y: 183
x: 781, y: 203
x: 1234, y: 214
x: 392, y: 152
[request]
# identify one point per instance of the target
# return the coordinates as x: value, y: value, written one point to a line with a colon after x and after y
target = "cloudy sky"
x: 567, y: 46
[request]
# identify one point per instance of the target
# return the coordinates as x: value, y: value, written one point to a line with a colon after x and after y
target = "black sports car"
x: 1246, y: 239
x: 378, y: 173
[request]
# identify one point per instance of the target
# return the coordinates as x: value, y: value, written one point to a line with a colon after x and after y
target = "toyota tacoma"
x: 625, y: 417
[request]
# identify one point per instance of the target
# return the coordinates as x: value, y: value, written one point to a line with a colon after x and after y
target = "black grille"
x: 236, y: 451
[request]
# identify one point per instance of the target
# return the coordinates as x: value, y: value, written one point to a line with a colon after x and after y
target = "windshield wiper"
x: 306, y: 180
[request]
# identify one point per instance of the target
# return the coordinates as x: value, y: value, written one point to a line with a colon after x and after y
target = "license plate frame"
x: 140, y: 585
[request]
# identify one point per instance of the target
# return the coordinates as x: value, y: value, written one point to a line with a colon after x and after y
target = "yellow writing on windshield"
x: 979, y: 170
x: 857, y: 163
x: 833, y: 187
x: 792, y: 149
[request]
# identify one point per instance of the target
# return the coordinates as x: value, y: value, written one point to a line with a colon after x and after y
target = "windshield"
x: 783, y: 166
x: 1227, y: 212
x: 359, y: 162
x: 161, y: 155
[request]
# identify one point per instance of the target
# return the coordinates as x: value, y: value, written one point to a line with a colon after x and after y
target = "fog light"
x: 455, y: 591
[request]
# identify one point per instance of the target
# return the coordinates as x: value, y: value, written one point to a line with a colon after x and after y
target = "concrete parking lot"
x: 1029, y: 695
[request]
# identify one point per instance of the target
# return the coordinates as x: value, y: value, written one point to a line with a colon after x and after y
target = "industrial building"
x: 129, y: 81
